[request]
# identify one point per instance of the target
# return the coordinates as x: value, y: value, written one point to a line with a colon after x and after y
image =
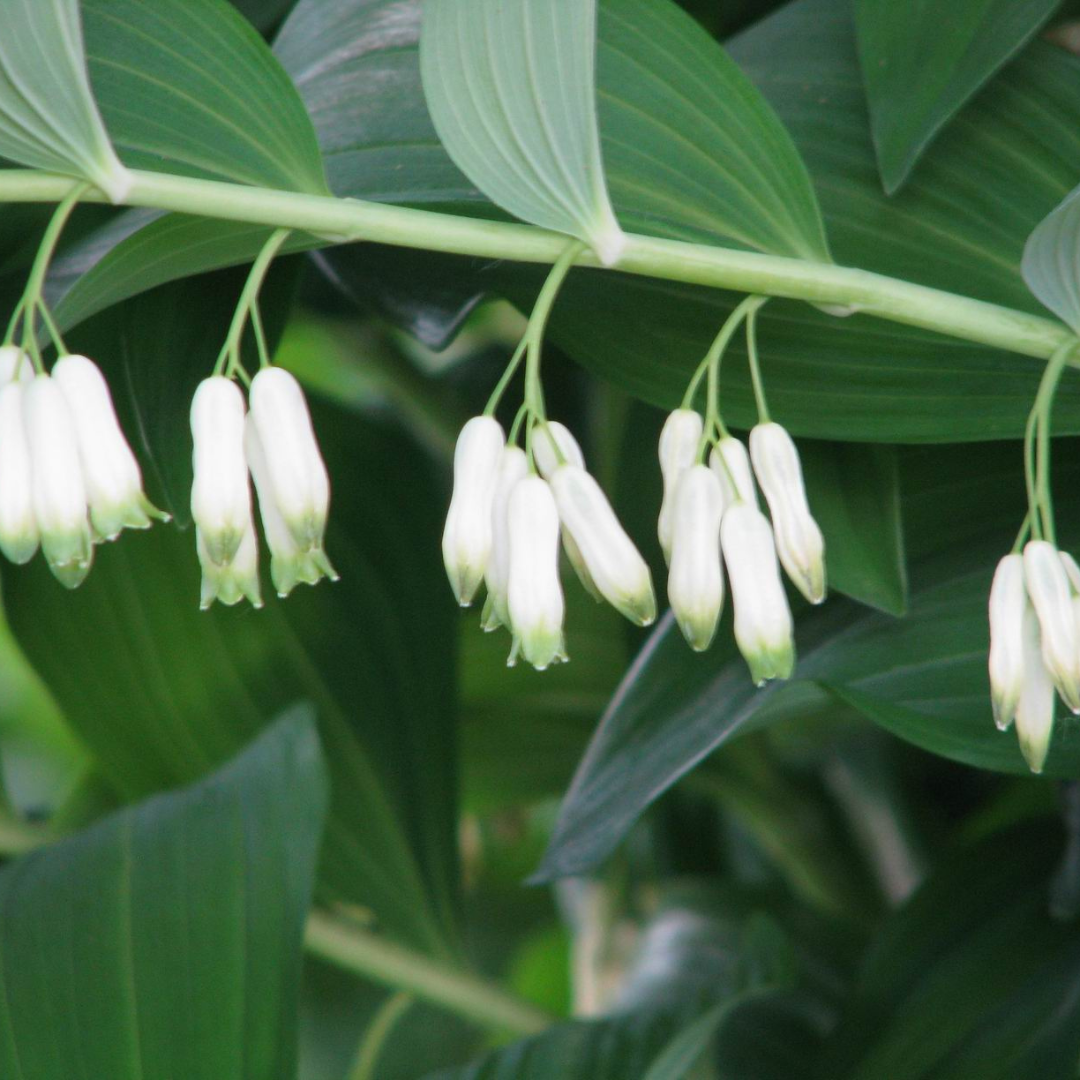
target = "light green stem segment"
x: 364, y: 953
x: 341, y: 220
x: 379, y: 1030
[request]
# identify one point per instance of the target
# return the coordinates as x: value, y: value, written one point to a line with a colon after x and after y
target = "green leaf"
x: 511, y: 87
x: 971, y: 979
x: 189, y: 87
x: 162, y: 692
x: 48, y: 117
x: 921, y: 65
x: 688, y: 1047
x: 1052, y: 260
x: 854, y: 492
x: 922, y: 677
x: 112, y: 960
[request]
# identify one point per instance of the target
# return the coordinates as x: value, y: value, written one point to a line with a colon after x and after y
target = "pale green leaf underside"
x: 165, y: 940
x: 48, y: 117
x: 511, y: 85
x: 1051, y: 263
x: 923, y: 60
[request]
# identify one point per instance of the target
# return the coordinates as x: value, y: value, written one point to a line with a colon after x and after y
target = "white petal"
x: 58, y: 489
x: 513, y: 467
x: 616, y: 567
x: 731, y: 463
x: 763, y: 626
x: 1035, y: 709
x: 679, y: 441
x: 466, y: 542
x: 18, y: 525
x: 14, y: 363
x: 534, y: 593
x: 237, y: 579
x: 220, y: 494
x: 1050, y: 592
x: 1008, y: 603
x: 546, y: 437
x: 696, y: 576
x: 799, y: 542
x: 293, y: 459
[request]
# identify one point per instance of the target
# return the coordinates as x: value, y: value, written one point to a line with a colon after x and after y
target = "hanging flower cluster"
x: 274, y: 443
x: 68, y: 478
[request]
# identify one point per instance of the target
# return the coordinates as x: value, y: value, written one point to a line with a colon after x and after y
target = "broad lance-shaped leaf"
x: 48, y: 117
x: 1052, y: 260
x: 922, y: 61
x: 511, y: 85
x: 189, y: 87
x: 166, y: 939
x: 922, y: 677
x: 971, y: 979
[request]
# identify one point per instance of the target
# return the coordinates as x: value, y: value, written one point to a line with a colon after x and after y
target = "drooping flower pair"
x: 710, y: 517
x: 504, y: 525
x: 68, y: 478
x: 1034, y: 643
x: 275, y: 444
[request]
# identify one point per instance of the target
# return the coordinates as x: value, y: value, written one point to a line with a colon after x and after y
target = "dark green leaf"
x: 511, y: 88
x: 922, y: 677
x: 1052, y: 260
x: 161, y: 692
x: 115, y: 963
x: 921, y: 63
x: 189, y: 87
x: 48, y: 116
x: 971, y: 979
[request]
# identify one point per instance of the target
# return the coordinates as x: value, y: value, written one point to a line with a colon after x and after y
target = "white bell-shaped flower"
x: 230, y: 582
x: 679, y: 441
x: 294, y: 463
x: 221, y: 493
x: 14, y: 364
x: 59, y: 492
x: 112, y: 475
x: 696, y: 574
x: 289, y: 565
x: 513, y: 468
x: 731, y: 463
x: 799, y: 542
x: 546, y: 438
x: 534, y: 593
x: 615, y: 565
x: 1008, y: 604
x: 18, y: 525
x: 763, y: 626
x: 1035, y: 709
x: 1051, y: 594
x: 466, y: 540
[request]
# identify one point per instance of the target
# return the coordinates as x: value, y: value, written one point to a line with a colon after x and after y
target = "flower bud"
x: 513, y: 468
x: 799, y: 542
x: 110, y: 471
x: 14, y: 364
x: 18, y: 526
x: 548, y: 436
x: 1050, y: 592
x: 696, y: 575
x: 466, y: 540
x: 679, y: 442
x: 220, y: 494
x: 1035, y: 709
x: 1008, y: 604
x: 232, y: 581
x: 59, y: 493
x: 729, y: 460
x: 534, y: 594
x: 294, y: 463
x: 288, y: 564
x: 545, y: 438
x: 614, y: 564
x: 763, y: 627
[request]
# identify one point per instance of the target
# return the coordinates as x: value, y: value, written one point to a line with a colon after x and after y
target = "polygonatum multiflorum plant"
x: 717, y: 357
